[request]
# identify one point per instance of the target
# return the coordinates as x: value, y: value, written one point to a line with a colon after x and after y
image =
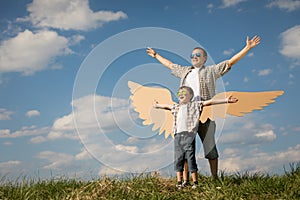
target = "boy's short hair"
x: 188, y: 89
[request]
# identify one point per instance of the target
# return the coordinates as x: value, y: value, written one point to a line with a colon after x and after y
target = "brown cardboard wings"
x: 142, y: 99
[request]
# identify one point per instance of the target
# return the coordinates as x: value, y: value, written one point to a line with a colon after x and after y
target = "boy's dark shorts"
x: 184, y: 145
x: 206, y: 133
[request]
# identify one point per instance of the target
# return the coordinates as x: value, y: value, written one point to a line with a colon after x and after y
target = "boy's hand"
x: 231, y: 99
x: 154, y: 103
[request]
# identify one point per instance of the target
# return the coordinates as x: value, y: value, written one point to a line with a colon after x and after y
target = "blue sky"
x: 64, y: 67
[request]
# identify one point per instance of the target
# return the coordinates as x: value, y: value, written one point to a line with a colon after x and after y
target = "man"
x: 202, y: 79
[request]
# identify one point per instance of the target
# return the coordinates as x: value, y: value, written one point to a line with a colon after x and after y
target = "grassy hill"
x: 149, y: 186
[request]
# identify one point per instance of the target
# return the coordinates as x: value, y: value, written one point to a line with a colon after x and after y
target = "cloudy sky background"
x: 46, y: 46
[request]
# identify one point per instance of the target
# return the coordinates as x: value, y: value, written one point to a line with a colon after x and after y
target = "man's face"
x: 197, y: 58
x: 184, y: 96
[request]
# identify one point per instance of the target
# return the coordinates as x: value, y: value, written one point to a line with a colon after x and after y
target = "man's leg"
x: 213, y: 163
x: 206, y: 132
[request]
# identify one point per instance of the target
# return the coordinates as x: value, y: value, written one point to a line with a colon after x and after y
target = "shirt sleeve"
x: 200, y: 105
x: 178, y: 70
x: 173, y: 108
x: 221, y: 68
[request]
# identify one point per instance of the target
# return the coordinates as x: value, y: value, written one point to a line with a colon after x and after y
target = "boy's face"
x: 184, y: 96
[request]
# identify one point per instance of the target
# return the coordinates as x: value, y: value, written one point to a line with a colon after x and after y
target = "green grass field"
x: 149, y: 186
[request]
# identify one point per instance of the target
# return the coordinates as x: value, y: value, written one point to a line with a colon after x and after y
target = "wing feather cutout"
x: 247, y: 102
x: 142, y: 98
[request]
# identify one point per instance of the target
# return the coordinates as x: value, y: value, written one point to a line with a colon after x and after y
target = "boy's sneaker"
x: 195, y: 185
x: 185, y: 183
x: 179, y: 185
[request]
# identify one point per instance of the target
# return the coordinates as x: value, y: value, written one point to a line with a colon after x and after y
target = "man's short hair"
x: 200, y: 48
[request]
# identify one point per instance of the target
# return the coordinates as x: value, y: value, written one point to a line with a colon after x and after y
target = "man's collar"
x: 197, y: 67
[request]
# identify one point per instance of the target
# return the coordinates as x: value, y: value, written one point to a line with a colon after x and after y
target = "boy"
x: 186, y: 119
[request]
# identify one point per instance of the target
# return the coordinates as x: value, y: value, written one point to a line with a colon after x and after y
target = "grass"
x: 149, y: 186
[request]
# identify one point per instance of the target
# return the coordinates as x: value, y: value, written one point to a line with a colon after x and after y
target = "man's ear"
x: 205, y: 59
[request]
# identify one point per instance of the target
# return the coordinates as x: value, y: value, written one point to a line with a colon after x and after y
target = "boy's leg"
x: 178, y: 159
x: 191, y: 159
x: 186, y: 172
x: 179, y: 175
x: 179, y: 180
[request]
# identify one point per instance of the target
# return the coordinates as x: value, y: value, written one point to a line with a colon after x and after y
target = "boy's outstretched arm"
x: 249, y: 45
x: 161, y: 106
x: 229, y: 99
x: 151, y: 52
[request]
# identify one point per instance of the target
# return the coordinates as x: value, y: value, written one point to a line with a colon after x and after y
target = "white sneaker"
x: 185, y: 184
x: 194, y: 186
x: 179, y: 186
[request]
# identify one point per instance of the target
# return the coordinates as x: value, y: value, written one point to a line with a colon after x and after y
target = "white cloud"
x: 246, y: 131
x: 296, y: 129
x: 228, y: 52
x: 5, y: 114
x: 210, y: 7
x: 100, y: 111
x: 7, y: 143
x: 29, y: 52
x: 100, y: 121
x: 76, y: 39
x: 9, y: 166
x: 230, y: 3
x: 9, y: 163
x: 264, y: 72
x: 83, y: 155
x: 66, y: 15
x: 267, y: 136
x: 55, y: 135
x: 106, y: 171
x: 32, y: 113
x: 4, y: 133
x: 255, y: 160
x: 92, y: 112
x: 23, y: 132
x: 288, y: 5
x: 251, y: 54
x: 58, y: 161
x: 130, y: 149
x: 290, y: 40
x: 246, y: 79
x: 38, y: 139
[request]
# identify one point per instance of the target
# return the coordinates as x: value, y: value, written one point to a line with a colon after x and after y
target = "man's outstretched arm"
x: 249, y: 45
x: 151, y: 52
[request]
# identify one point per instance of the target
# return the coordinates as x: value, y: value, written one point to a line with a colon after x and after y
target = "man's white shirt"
x: 192, y: 81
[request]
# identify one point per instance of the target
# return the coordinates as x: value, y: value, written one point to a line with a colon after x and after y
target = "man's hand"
x: 151, y: 52
x: 253, y: 42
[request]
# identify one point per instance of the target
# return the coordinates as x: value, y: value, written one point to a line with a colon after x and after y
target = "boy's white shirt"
x: 181, y: 119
